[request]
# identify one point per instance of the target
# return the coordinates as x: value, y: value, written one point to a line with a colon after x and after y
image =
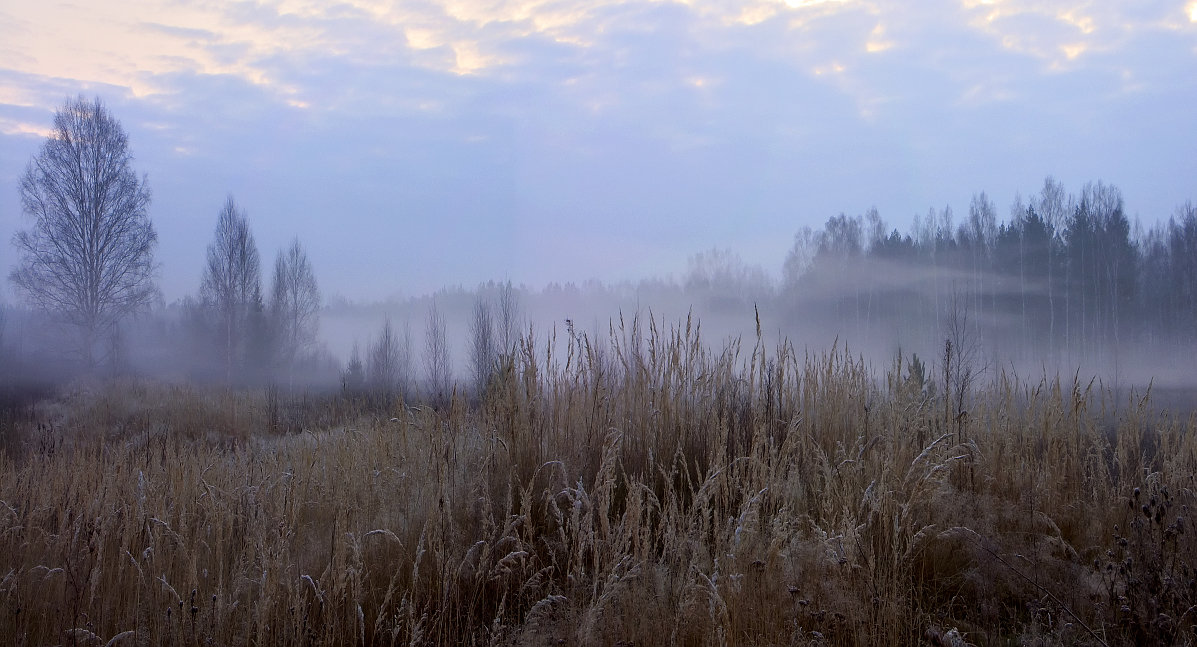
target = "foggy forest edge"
x: 1066, y: 281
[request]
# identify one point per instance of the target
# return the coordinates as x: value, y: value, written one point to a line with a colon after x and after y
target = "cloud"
x: 24, y: 127
x: 683, y: 124
x: 143, y: 44
x: 1058, y: 33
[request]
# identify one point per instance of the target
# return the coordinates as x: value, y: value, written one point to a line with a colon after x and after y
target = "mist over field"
x: 1066, y: 285
x: 1082, y: 291
x: 598, y: 323
x: 843, y: 170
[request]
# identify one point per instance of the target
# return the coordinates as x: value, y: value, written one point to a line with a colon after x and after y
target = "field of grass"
x: 651, y: 492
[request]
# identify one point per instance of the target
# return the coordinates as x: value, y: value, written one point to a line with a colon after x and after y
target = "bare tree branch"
x: 436, y: 357
x: 231, y: 286
x: 88, y: 259
x: 384, y: 363
x: 295, y: 303
x: 483, y: 357
x: 509, y: 323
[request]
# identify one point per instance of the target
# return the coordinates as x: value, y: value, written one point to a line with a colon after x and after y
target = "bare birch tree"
x: 982, y: 232
x: 509, y: 323
x: 436, y: 357
x: 294, y: 303
x: 231, y: 288
x: 482, y: 345
x: 799, y: 258
x: 1053, y: 206
x: 88, y: 258
x: 383, y: 363
x: 963, y: 362
x: 406, y: 374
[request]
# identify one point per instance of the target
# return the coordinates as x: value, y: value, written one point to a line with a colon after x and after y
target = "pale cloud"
x: 829, y: 68
x: 1060, y: 33
x: 1073, y: 50
x: 877, y: 40
x: 470, y: 59
x: 140, y: 45
x: 133, y: 44
x: 1084, y: 24
x: 755, y: 14
x: 10, y: 127
x: 800, y: 4
x: 984, y: 93
x: 420, y: 38
x: 12, y: 95
x: 520, y: 116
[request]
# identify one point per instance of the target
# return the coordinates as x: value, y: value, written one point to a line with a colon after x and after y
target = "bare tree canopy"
x: 89, y: 257
x: 508, y: 323
x: 295, y: 301
x: 231, y: 287
x: 384, y: 362
x: 436, y: 357
x: 483, y: 355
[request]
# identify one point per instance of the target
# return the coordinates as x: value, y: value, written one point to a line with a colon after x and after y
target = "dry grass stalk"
x: 644, y: 490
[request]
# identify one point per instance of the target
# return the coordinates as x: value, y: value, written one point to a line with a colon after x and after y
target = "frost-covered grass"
x: 648, y: 491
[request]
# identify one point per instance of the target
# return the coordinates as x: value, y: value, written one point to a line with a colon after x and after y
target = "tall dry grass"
x: 643, y: 490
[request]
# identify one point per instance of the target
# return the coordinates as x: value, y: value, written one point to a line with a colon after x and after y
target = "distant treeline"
x: 1069, y: 276
x: 1066, y: 280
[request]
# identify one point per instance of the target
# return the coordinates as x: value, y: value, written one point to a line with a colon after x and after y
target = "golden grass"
x: 647, y: 492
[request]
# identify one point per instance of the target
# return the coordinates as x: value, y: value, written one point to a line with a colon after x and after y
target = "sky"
x: 418, y: 144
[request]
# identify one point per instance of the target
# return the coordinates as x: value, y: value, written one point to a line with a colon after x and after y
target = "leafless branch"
x: 88, y: 259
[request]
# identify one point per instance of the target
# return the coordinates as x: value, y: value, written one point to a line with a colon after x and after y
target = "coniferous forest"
x: 1066, y: 277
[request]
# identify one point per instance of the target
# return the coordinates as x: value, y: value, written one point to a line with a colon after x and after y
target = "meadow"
x: 642, y: 489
